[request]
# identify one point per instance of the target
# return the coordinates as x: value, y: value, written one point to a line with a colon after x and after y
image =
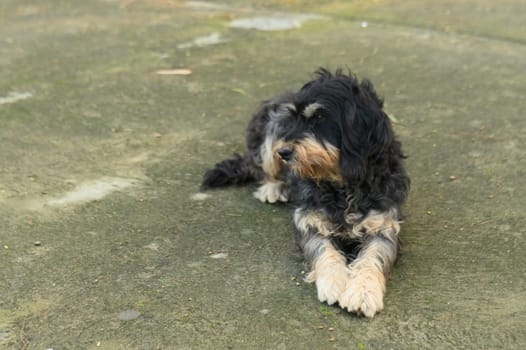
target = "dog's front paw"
x: 364, y: 292
x: 331, y: 283
x: 271, y: 192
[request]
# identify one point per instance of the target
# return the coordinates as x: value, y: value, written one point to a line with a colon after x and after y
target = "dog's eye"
x: 315, y: 122
x: 316, y: 118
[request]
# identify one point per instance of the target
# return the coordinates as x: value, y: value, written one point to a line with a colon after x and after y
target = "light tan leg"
x: 330, y: 273
x: 271, y: 191
x: 328, y: 266
x: 365, y: 288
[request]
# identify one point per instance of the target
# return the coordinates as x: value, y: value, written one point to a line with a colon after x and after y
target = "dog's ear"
x: 278, y: 107
x: 366, y: 135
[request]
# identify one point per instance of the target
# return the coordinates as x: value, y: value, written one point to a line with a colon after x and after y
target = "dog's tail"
x: 233, y: 171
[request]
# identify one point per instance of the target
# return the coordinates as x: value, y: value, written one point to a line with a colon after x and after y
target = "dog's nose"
x: 285, y: 153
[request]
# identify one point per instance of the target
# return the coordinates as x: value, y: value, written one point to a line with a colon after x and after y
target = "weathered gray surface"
x: 102, y: 158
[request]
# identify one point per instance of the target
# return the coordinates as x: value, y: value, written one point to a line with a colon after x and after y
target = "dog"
x: 329, y: 149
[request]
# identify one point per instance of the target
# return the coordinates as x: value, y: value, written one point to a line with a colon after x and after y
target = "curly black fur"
x: 334, y: 113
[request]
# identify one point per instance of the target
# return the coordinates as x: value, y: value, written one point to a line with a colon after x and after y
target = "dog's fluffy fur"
x: 329, y: 149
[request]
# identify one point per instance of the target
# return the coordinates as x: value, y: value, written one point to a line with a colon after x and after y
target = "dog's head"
x: 334, y: 129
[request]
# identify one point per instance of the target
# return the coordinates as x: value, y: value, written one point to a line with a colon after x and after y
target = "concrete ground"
x: 106, y: 242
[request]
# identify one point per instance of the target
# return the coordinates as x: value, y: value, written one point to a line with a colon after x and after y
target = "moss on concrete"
x: 222, y: 271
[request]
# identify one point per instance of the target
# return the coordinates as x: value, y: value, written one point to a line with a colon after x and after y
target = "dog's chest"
x: 329, y: 205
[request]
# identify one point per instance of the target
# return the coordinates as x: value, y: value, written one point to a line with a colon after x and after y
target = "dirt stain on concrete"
x: 93, y: 190
x: 121, y: 151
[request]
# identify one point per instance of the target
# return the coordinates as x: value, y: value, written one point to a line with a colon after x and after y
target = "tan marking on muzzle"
x: 314, y: 161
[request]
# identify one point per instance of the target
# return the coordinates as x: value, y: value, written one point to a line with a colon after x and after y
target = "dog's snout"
x: 285, y: 153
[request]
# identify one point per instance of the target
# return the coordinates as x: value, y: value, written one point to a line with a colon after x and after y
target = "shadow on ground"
x: 107, y: 243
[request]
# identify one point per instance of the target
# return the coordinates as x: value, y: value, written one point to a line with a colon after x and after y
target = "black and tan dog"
x: 330, y: 150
